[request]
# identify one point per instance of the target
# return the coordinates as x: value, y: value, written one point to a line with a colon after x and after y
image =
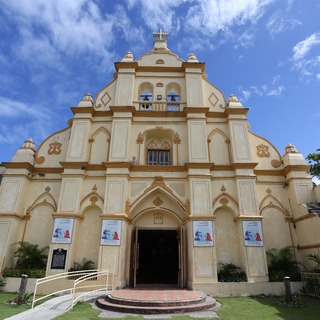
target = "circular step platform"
x: 155, y: 300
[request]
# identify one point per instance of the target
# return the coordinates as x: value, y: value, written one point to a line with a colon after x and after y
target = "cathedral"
x: 159, y: 178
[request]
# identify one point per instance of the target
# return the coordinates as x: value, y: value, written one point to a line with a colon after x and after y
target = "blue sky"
x: 266, y: 52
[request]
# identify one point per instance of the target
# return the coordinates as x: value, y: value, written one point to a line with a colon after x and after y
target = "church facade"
x: 160, y: 179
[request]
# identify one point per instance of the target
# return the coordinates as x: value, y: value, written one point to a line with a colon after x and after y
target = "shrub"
x: 229, y: 272
x: 315, y: 258
x: 85, y: 265
x: 2, y: 283
x: 30, y: 256
x: 81, y: 266
x: 31, y: 273
x: 282, y: 264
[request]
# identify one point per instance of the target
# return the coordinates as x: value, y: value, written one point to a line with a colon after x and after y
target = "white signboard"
x: 62, y: 231
x: 203, y: 233
x: 252, y: 233
x: 111, y: 232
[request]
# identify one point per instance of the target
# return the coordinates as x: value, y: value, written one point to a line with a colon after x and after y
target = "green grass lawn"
x: 235, y: 308
x: 8, y: 310
x: 268, y: 308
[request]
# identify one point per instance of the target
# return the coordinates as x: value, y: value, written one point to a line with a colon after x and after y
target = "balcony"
x: 159, y: 105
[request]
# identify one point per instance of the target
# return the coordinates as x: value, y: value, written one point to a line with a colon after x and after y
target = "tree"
x: 30, y: 256
x: 314, y: 160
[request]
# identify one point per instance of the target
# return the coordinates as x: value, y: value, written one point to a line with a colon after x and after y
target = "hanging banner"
x: 252, y: 233
x: 62, y: 231
x: 111, y: 232
x: 203, y: 233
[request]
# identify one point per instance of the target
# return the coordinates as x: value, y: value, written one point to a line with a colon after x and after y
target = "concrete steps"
x: 153, y: 301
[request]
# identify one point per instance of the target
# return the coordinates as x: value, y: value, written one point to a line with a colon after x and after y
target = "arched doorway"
x: 158, y: 256
x: 157, y: 250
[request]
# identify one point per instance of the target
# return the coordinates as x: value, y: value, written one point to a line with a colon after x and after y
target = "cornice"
x: 11, y: 215
x: 19, y: 165
x: 188, y: 110
x: 67, y: 215
x: 221, y: 167
x: 238, y: 111
x: 199, y: 165
x: 74, y: 165
x: 159, y: 114
x: 146, y: 168
x: 195, y: 217
x: 244, y: 165
x: 250, y: 218
x: 291, y: 168
x: 211, y: 114
x: 309, y: 246
x: 268, y: 172
x: 114, y: 216
x: 78, y: 110
x: 125, y: 65
x: 304, y: 217
x: 118, y: 164
x: 130, y: 109
x: 193, y: 65
x: 159, y: 69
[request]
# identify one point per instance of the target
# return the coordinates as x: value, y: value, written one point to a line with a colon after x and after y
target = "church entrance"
x: 157, y: 257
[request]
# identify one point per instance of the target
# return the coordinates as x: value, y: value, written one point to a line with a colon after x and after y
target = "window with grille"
x: 159, y: 157
x: 158, y: 153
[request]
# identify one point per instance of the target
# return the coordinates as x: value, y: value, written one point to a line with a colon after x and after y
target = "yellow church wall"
x: 227, y: 238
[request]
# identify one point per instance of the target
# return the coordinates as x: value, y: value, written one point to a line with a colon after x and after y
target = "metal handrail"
x: 76, y: 278
x: 311, y: 283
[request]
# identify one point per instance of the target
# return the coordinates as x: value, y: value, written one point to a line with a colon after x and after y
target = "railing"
x: 159, y: 106
x: 311, y: 283
x: 78, y: 283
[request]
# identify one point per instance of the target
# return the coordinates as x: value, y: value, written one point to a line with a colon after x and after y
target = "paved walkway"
x: 59, y: 305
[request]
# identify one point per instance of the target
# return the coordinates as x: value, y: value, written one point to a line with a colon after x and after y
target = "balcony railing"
x: 159, y: 105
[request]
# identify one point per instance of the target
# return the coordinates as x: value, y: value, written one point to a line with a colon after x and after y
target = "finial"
x: 233, y: 98
x: 161, y: 34
x: 192, y: 58
x: 87, y: 97
x: 86, y: 101
x: 128, y: 57
x: 29, y: 144
x: 291, y: 149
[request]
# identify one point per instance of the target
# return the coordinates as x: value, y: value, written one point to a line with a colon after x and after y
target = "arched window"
x: 173, y: 96
x: 145, y: 101
x: 145, y: 96
x: 158, y: 152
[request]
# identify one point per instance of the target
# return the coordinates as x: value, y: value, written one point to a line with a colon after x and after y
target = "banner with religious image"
x: 203, y: 233
x: 252, y: 233
x: 111, y: 232
x: 62, y: 231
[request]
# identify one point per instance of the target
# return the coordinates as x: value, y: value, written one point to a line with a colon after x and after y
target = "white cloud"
x: 211, y: 16
x: 276, y: 91
x: 279, y: 23
x: 157, y: 14
x: 70, y: 28
x: 245, y: 40
x: 302, y: 48
x: 307, y: 65
x: 271, y: 89
x: 246, y: 94
x: 17, y: 109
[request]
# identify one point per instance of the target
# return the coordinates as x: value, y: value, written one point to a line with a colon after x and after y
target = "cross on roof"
x: 161, y: 34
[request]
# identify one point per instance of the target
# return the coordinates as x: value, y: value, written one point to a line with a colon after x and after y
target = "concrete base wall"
x: 13, y: 285
x: 219, y: 289
x: 229, y: 289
